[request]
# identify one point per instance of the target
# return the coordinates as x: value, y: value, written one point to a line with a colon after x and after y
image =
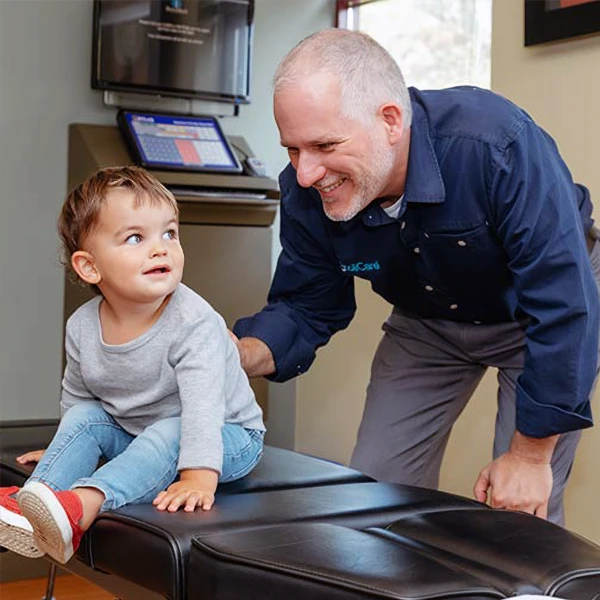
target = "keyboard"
x: 208, y: 192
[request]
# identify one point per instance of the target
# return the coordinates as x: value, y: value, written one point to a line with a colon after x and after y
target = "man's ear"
x: 392, y: 117
x: 84, y: 265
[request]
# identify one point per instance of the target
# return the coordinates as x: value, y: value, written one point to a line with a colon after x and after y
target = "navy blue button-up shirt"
x: 491, y: 230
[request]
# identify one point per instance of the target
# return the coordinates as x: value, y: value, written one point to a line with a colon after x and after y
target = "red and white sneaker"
x: 16, y: 533
x: 54, y: 517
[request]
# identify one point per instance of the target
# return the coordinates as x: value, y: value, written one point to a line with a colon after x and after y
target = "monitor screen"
x: 183, y: 48
x: 168, y: 142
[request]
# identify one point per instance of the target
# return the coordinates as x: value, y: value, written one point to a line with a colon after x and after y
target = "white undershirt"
x: 394, y: 210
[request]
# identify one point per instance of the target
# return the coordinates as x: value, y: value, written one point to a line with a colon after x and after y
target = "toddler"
x: 153, y: 383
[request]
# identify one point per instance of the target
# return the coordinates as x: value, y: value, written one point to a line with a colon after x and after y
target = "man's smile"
x: 329, y: 188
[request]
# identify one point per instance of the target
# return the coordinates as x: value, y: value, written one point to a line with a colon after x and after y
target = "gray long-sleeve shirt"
x: 184, y: 365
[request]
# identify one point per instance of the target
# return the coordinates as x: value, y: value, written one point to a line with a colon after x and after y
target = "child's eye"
x: 134, y: 239
x: 170, y: 234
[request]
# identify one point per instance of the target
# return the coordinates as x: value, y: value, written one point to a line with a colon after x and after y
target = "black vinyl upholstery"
x: 443, y: 554
x: 299, y: 527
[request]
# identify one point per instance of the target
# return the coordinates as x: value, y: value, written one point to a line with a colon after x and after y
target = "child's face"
x: 135, y: 251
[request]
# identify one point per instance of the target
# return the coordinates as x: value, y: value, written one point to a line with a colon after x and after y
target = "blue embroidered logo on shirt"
x: 360, y: 267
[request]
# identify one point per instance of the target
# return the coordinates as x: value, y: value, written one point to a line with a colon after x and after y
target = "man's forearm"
x: 256, y: 357
x: 533, y: 450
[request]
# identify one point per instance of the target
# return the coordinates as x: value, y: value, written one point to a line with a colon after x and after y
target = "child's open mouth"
x: 158, y: 271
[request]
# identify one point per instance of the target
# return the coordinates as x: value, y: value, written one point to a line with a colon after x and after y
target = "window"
x: 437, y: 43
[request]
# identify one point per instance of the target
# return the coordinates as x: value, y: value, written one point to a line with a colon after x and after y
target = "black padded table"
x: 455, y: 553
x: 303, y: 527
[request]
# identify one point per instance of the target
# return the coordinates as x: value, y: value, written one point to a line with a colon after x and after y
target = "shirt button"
x: 453, y: 306
x: 461, y: 243
x: 416, y: 250
x: 429, y: 288
x: 403, y: 225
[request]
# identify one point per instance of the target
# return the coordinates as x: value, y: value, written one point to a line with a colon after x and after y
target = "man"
x: 461, y: 213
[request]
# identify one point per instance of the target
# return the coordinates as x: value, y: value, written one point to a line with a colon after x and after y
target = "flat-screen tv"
x: 195, y: 49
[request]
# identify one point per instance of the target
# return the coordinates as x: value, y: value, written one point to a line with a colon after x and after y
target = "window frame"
x: 341, y: 11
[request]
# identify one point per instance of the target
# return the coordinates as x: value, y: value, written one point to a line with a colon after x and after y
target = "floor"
x: 68, y: 587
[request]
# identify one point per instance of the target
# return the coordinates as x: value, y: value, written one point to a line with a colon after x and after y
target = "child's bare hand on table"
x: 196, y: 487
x: 33, y: 456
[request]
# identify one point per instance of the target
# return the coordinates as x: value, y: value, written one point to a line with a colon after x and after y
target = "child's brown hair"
x: 80, y: 211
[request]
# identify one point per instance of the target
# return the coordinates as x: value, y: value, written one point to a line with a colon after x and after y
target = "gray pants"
x: 423, y: 374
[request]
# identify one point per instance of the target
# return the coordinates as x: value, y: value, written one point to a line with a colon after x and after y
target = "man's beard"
x: 371, y: 185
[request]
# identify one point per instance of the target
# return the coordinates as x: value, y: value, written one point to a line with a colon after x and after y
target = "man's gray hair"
x: 367, y: 74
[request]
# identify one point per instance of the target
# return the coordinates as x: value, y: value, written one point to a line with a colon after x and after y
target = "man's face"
x: 350, y: 163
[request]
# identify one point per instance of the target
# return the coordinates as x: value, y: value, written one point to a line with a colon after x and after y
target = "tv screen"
x: 196, y: 49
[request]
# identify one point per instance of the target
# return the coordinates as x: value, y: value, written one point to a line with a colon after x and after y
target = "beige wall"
x: 558, y: 85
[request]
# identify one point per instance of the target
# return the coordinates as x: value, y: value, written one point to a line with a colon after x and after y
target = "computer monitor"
x: 170, y: 142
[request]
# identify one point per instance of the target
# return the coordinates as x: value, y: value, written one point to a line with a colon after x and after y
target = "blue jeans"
x: 137, y: 468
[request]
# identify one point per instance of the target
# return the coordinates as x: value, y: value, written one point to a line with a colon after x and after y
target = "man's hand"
x: 196, y: 487
x: 256, y: 357
x: 520, y: 479
x: 33, y: 456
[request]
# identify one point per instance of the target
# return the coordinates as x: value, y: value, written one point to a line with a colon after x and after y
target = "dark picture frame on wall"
x: 551, y: 20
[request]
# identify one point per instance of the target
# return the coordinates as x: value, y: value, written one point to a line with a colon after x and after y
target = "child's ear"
x: 83, y: 264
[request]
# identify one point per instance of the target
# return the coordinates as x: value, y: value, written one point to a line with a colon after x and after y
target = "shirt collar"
x: 423, y: 180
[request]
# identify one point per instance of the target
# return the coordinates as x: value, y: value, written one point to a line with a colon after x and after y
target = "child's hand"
x: 33, y: 456
x: 196, y: 487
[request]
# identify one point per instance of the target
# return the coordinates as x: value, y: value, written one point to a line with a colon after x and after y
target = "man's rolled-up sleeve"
x: 310, y: 299
x: 534, y: 201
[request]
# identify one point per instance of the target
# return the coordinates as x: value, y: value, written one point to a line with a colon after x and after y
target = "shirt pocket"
x: 464, y: 258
